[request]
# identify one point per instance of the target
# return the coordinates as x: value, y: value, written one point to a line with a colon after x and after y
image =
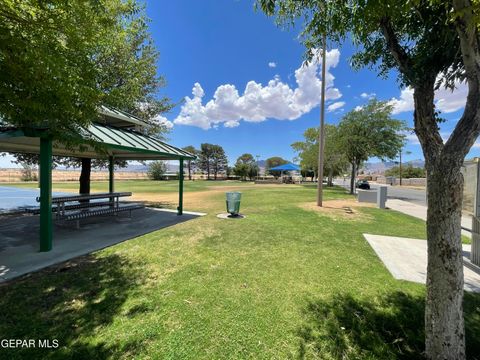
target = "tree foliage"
x: 369, y: 132
x: 335, y: 161
x: 60, y: 60
x: 157, y: 170
x: 246, y: 167
x: 191, y: 164
x: 274, y: 162
x: 407, y: 172
x: 212, y: 159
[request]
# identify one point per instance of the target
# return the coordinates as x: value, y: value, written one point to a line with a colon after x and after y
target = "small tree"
x: 368, y: 132
x: 29, y: 173
x: 335, y: 161
x: 246, y: 166
x: 157, y: 170
x: 274, y: 162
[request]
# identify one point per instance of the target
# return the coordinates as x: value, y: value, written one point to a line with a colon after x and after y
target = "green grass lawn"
x: 284, y: 282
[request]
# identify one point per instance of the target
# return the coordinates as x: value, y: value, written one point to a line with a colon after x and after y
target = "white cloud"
x: 335, y: 106
x: 272, y: 64
x: 365, y: 95
x: 446, y: 101
x: 231, y: 124
x: 358, y: 108
x: 162, y: 120
x: 275, y: 100
x: 412, y: 139
x: 404, y: 103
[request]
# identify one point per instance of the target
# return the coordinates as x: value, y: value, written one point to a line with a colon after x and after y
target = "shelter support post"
x: 111, y: 174
x: 46, y: 229
x: 111, y: 179
x: 180, y: 189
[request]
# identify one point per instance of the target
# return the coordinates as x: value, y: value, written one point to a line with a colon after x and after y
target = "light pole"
x: 321, y: 135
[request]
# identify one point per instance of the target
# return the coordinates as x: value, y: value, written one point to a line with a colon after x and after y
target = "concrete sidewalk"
x: 19, y: 237
x: 406, y: 259
x: 420, y: 212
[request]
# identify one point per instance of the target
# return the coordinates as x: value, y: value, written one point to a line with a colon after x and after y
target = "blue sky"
x: 224, y: 44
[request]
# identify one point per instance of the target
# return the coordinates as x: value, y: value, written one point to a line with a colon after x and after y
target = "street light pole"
x: 321, y: 135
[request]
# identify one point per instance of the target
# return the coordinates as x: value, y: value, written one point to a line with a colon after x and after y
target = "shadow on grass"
x: 388, y: 327
x: 69, y: 303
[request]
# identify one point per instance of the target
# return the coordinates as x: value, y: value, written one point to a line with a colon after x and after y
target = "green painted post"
x: 46, y: 229
x: 111, y: 174
x: 180, y: 189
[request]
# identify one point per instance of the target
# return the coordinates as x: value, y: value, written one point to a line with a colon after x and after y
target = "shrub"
x: 157, y: 170
x: 29, y: 173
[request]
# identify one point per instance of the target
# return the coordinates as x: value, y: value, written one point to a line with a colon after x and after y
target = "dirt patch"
x: 340, y: 209
x: 194, y: 201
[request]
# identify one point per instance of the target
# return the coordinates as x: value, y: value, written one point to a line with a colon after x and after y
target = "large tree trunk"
x: 444, y: 325
x: 445, y: 336
x: 330, y: 178
x: 352, y: 179
x: 85, y: 176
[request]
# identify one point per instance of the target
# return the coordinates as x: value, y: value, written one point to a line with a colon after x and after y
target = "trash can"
x: 233, y: 202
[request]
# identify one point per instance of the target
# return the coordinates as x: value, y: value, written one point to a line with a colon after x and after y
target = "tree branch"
x: 426, y: 126
x: 468, y: 127
x: 398, y: 52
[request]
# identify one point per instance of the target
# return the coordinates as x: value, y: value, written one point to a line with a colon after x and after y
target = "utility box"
x: 381, y: 197
x: 369, y: 196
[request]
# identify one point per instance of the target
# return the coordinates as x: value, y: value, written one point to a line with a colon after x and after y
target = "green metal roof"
x: 121, y: 143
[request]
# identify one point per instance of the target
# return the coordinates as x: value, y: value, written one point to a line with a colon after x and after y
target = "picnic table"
x: 77, y: 207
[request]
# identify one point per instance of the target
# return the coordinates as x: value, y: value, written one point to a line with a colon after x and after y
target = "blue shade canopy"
x: 286, y: 167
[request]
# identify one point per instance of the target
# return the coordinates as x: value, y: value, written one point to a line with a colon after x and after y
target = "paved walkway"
x: 19, y: 237
x: 406, y: 259
x: 420, y: 211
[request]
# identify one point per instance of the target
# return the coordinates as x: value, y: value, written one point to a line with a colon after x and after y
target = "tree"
x: 157, y: 170
x: 48, y: 72
x: 191, y: 164
x: 427, y: 44
x: 369, y: 132
x: 335, y: 162
x: 246, y: 166
x: 115, y: 66
x: 274, y: 162
x: 407, y: 172
x: 212, y: 159
x: 205, y: 158
x: 219, y: 160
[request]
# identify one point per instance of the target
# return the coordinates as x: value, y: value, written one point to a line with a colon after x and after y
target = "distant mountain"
x: 380, y: 167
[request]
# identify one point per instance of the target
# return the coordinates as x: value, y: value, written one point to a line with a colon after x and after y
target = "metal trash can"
x: 233, y: 202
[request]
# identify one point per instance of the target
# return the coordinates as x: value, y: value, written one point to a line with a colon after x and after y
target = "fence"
x: 15, y: 175
x: 391, y: 180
